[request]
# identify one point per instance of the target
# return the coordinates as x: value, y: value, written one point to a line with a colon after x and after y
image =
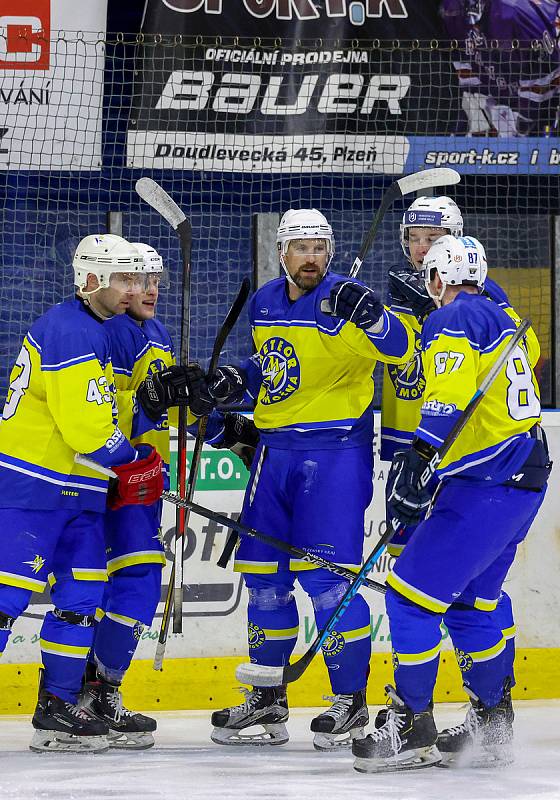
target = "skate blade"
x: 327, y: 742
x: 119, y: 740
x: 272, y: 735
x: 478, y: 758
x: 417, y: 759
x: 57, y: 741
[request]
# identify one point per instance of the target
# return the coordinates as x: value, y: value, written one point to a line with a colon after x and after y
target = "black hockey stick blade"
x: 229, y: 547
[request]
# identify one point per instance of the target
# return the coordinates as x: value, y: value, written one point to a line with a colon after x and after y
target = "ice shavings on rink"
x: 185, y: 765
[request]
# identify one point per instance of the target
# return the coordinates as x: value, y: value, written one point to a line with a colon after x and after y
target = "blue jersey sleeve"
x: 495, y: 292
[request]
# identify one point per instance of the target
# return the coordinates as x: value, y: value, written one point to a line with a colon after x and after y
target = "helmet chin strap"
x: 437, y: 298
x: 86, y: 297
x: 285, y: 268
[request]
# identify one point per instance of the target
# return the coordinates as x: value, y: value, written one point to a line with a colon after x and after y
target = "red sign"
x: 25, y: 29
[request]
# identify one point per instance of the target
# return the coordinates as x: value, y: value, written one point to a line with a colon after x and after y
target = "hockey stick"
x: 153, y: 194
x: 425, y: 179
x: 253, y: 533
x: 261, y: 675
x: 226, y: 522
x: 227, y: 325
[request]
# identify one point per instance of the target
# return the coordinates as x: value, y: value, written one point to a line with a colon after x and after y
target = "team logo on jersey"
x: 395, y: 660
x: 333, y: 644
x: 464, y: 660
x: 280, y: 370
x: 157, y: 365
x: 137, y: 631
x: 408, y: 379
x: 255, y: 635
x: 37, y: 564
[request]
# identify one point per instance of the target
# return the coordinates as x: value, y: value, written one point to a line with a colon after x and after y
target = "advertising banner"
x: 51, y: 84
x: 379, y: 86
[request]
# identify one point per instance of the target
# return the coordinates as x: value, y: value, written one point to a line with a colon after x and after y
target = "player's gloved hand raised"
x: 138, y: 483
x: 407, y: 502
x: 227, y: 385
x: 241, y: 436
x: 357, y: 304
x: 407, y: 288
x: 175, y: 386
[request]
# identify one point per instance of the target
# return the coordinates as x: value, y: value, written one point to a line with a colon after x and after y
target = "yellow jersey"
x: 460, y: 342
x: 312, y: 374
x: 61, y: 401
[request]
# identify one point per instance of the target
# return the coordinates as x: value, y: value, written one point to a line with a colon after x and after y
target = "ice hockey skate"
x: 484, y: 739
x: 264, y: 707
x: 63, y: 726
x: 127, y: 729
x: 405, y: 741
x: 344, y: 721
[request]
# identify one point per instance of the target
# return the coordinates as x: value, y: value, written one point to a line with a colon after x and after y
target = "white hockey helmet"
x: 153, y: 262
x: 155, y: 274
x: 102, y: 256
x: 303, y: 223
x: 458, y: 262
x: 431, y: 212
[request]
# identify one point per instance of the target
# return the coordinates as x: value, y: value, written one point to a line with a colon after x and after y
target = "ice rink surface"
x: 186, y: 764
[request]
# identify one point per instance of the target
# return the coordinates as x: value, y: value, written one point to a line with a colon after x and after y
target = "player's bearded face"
x: 306, y: 261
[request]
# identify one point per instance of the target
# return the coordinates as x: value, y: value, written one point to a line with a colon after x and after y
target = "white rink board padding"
x: 185, y: 764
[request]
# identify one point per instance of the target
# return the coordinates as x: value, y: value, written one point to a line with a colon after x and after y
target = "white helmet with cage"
x: 431, y: 212
x: 458, y: 262
x: 303, y: 223
x: 102, y: 256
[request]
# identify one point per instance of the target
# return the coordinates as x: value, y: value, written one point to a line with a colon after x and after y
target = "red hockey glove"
x: 139, y: 483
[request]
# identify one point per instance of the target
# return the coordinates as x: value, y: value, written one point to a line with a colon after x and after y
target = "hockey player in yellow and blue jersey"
x: 311, y: 480
x: 492, y: 483
x: 425, y: 221
x: 141, y: 346
x: 134, y: 545
x: 62, y: 402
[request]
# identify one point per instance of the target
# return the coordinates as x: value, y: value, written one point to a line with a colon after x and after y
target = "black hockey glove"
x: 227, y: 385
x: 407, y: 288
x: 241, y: 436
x: 357, y: 304
x: 175, y: 386
x: 407, y: 502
